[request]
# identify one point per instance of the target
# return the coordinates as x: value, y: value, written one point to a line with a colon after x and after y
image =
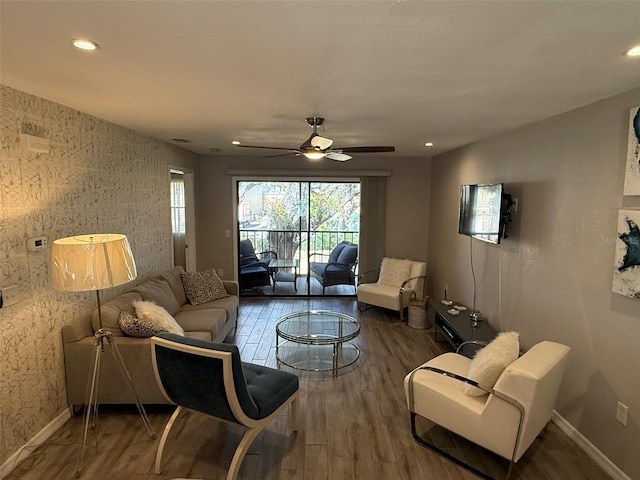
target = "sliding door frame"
x: 236, y: 179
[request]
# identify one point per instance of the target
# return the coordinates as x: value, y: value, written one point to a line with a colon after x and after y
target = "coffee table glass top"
x: 317, y: 340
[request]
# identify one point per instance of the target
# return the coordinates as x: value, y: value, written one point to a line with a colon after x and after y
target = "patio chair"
x: 339, y: 269
x: 209, y: 378
x: 254, y: 271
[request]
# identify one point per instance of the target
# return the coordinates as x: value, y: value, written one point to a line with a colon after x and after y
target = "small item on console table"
x: 457, y: 328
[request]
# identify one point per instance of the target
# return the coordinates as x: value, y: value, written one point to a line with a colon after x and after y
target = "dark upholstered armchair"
x: 254, y: 271
x: 339, y: 268
x: 209, y: 378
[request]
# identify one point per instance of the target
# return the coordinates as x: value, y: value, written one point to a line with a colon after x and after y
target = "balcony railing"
x: 291, y: 244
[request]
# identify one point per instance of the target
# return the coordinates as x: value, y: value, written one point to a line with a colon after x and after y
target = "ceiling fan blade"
x: 340, y: 157
x: 268, y: 148
x: 321, y: 142
x: 292, y: 152
x: 366, y: 149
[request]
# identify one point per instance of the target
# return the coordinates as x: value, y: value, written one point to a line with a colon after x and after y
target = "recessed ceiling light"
x: 87, y: 45
x: 634, y: 52
x: 235, y: 142
x: 428, y: 144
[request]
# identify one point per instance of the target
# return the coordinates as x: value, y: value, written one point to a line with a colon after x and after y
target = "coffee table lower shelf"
x: 317, y: 358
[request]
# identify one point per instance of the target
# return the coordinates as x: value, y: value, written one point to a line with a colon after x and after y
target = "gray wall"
x: 406, y: 210
x: 552, y: 278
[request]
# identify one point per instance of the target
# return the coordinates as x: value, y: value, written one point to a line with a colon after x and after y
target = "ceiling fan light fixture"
x: 312, y: 155
x: 634, y: 52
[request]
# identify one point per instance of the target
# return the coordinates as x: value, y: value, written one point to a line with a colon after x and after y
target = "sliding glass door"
x: 289, y: 222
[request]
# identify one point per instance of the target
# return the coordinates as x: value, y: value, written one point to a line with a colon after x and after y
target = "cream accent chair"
x: 507, y: 419
x: 397, y: 280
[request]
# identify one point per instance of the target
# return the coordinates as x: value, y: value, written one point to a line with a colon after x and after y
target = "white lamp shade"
x: 92, y: 262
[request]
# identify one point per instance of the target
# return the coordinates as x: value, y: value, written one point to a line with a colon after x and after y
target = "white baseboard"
x: 37, y: 440
x: 596, y: 455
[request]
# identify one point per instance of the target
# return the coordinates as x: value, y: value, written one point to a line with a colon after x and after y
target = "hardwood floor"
x: 354, y: 426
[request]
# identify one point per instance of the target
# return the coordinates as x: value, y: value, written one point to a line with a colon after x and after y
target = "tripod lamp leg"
x: 127, y: 376
x: 91, y: 403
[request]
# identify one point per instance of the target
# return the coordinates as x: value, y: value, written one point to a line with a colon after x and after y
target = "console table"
x: 457, y: 329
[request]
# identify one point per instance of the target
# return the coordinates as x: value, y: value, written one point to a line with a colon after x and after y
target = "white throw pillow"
x: 394, y: 271
x: 489, y: 362
x: 152, y: 312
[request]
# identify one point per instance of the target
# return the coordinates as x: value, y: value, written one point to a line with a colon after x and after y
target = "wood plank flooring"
x: 354, y: 426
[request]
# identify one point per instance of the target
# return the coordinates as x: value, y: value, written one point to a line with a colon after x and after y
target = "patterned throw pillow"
x: 137, y: 327
x: 203, y: 287
x: 152, y: 312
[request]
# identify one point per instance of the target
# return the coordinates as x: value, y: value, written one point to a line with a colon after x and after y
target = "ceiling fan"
x: 317, y: 147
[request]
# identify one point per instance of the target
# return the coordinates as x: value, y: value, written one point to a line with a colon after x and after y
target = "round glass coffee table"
x: 317, y: 340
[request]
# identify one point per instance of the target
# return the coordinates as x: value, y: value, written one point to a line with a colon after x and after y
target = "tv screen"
x: 482, y: 212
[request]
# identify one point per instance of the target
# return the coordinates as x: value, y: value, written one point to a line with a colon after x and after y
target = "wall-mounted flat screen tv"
x: 484, y: 211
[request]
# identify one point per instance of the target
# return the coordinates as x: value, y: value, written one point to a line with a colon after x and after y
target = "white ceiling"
x: 381, y: 72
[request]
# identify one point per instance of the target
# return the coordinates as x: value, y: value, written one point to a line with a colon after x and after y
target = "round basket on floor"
x: 418, y: 312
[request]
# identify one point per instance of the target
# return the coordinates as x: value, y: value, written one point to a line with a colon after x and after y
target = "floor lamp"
x: 96, y: 262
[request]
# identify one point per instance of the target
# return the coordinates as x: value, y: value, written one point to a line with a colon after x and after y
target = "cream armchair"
x: 507, y: 418
x: 397, y: 280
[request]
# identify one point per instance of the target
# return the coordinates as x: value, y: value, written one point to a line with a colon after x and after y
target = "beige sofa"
x: 209, y: 321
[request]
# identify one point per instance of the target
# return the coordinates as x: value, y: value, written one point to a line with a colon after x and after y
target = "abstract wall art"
x: 626, y: 272
x: 632, y: 172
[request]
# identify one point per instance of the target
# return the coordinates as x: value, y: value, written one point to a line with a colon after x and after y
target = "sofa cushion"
x: 137, y: 327
x: 203, y: 287
x: 172, y: 277
x: 111, y: 312
x: 228, y: 304
x: 490, y: 361
x: 155, y: 313
x: 202, y: 320
x: 158, y: 291
x: 199, y: 335
x: 394, y: 271
x: 382, y: 295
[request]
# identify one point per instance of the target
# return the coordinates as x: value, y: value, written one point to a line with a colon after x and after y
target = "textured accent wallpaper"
x: 97, y: 177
